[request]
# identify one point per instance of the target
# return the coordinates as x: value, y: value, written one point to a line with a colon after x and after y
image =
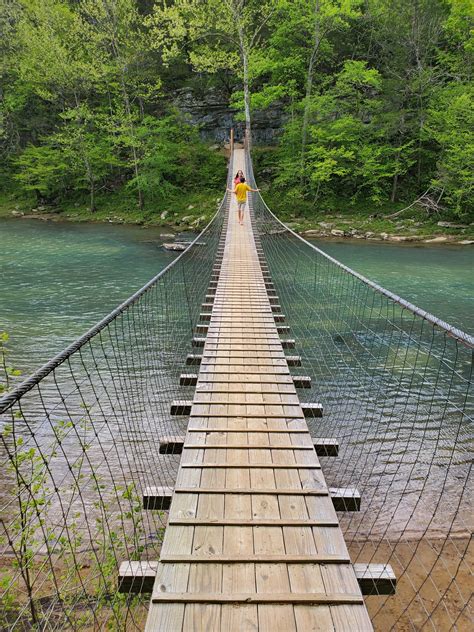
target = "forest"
x: 376, y: 99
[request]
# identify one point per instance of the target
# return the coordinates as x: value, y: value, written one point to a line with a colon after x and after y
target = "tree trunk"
x: 128, y: 111
x: 309, y: 87
x: 126, y: 102
x: 245, y: 65
x: 394, y: 188
x: 92, y: 196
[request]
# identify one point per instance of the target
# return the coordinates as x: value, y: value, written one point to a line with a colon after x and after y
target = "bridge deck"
x: 250, y: 546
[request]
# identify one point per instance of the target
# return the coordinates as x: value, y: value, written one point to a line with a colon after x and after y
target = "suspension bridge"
x: 260, y: 438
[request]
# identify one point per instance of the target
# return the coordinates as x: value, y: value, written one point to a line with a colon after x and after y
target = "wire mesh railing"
x: 396, y: 386
x: 79, y: 443
x: 80, y: 440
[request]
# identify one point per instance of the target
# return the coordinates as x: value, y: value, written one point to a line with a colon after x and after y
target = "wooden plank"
x: 252, y: 491
x: 276, y: 598
x: 269, y: 522
x: 157, y: 497
x: 326, y: 446
x: 252, y: 539
x: 136, y: 577
x: 376, y: 579
x: 241, y: 464
x: 257, y: 558
x: 345, y: 499
x: 312, y: 409
x: 188, y: 379
x: 246, y: 446
x: 373, y: 579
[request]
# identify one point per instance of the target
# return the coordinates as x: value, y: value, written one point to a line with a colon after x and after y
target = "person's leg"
x: 241, y: 212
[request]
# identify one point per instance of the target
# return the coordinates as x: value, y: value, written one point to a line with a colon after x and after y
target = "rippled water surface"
x: 439, y: 279
x: 58, y: 279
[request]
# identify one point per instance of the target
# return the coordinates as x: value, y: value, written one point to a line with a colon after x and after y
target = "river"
x: 58, y: 279
x: 392, y: 401
x: 437, y: 278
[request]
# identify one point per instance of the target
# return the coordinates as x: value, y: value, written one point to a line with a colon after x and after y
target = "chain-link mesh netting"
x: 79, y: 443
x: 395, y: 384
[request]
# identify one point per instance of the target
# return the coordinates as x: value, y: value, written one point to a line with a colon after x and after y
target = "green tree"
x: 450, y: 124
x: 214, y: 36
x: 345, y: 139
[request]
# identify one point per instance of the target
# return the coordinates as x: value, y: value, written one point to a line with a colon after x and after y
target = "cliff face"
x: 212, y: 112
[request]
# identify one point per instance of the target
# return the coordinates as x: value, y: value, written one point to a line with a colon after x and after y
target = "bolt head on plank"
x: 188, y: 379
x: 345, y: 498
x: 171, y: 445
x: 312, y: 410
x: 181, y: 407
x: 157, y: 498
x: 375, y: 579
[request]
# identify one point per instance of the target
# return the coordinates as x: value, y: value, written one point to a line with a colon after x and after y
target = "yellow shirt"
x: 241, y: 191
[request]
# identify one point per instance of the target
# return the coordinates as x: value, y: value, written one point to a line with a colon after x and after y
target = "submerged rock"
x: 177, y: 247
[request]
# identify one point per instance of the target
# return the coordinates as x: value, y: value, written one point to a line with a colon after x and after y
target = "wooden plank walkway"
x: 250, y: 546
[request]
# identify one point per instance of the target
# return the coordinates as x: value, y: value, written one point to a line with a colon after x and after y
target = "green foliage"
x: 451, y: 125
x: 344, y: 149
x: 376, y: 92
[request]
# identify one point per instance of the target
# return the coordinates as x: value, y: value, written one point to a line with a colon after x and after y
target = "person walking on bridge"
x: 240, y: 191
x: 238, y: 175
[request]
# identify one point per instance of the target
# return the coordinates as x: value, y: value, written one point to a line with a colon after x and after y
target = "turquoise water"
x: 439, y: 279
x: 58, y: 279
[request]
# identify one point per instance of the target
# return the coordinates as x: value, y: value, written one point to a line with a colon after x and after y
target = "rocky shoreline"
x: 325, y: 230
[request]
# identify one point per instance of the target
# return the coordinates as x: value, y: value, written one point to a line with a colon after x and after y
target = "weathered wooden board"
x: 253, y: 540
